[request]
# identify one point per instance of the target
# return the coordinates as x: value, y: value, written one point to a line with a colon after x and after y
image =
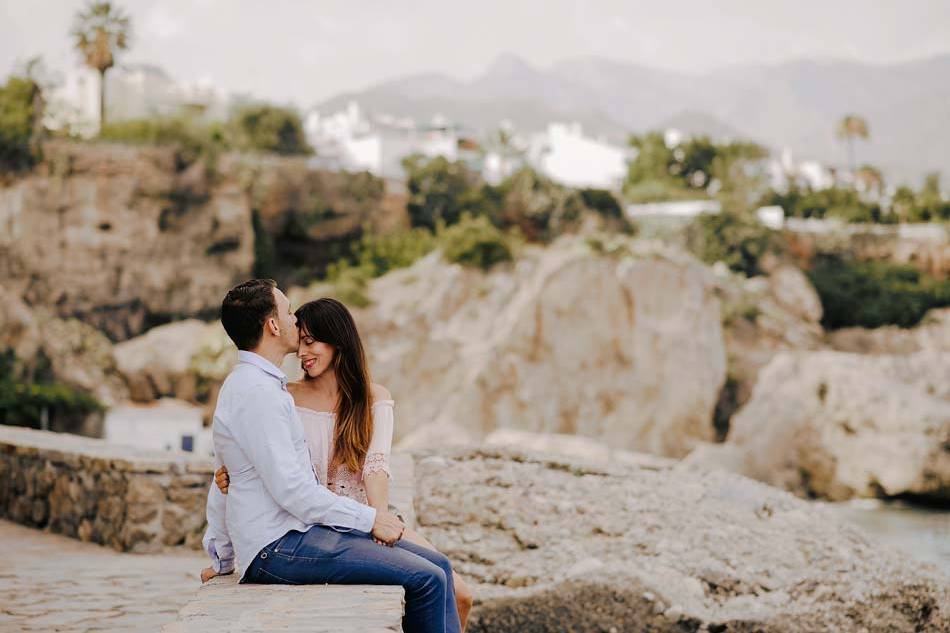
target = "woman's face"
x: 315, y: 356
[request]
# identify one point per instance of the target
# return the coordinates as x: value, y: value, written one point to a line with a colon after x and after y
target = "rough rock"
x: 554, y: 545
x: 761, y: 317
x: 125, y: 237
x: 839, y: 425
x: 933, y: 333
x: 168, y: 361
x: 118, y: 237
x: 624, y: 348
x: 69, y: 351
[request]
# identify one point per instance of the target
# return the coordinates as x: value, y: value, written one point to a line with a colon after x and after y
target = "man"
x: 285, y: 527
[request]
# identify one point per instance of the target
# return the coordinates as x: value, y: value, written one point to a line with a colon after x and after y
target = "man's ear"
x: 273, y: 326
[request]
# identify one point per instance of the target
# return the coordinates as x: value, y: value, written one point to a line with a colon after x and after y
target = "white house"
x: 564, y: 154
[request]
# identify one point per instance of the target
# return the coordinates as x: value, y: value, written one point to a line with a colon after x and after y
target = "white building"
x: 785, y: 170
x: 565, y: 155
x: 73, y: 105
x: 682, y: 209
x: 350, y: 140
x: 132, y: 92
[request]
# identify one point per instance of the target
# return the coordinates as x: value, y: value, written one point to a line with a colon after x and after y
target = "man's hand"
x: 222, y: 480
x: 388, y: 528
x: 207, y: 574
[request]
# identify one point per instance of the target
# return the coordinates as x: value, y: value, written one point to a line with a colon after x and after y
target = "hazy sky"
x: 306, y: 50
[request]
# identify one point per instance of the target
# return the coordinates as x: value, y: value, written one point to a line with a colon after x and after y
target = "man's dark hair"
x: 245, y: 309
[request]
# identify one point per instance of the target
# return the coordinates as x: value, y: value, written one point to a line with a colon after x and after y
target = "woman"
x: 348, y: 420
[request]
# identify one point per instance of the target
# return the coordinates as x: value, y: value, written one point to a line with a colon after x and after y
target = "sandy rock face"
x: 185, y: 360
x: 73, y: 353
x: 555, y: 545
x: 761, y: 317
x: 625, y: 349
x: 116, y: 235
x: 840, y: 425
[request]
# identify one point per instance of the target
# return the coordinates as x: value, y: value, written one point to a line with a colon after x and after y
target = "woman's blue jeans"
x: 324, y: 555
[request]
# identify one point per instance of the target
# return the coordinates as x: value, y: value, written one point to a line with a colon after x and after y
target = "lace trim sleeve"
x: 376, y: 463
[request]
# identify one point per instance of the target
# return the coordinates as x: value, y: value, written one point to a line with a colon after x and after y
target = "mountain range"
x: 794, y: 105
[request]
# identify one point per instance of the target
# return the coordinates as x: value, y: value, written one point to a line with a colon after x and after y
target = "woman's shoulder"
x: 379, y: 393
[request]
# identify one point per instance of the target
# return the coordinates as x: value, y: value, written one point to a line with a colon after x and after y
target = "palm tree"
x: 851, y: 127
x: 869, y: 179
x: 100, y: 32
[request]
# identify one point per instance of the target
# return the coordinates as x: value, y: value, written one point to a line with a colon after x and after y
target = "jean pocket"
x: 289, y: 544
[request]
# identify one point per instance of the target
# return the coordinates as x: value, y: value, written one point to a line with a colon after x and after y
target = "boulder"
x: 184, y: 360
x: 839, y: 425
x: 625, y: 348
x: 556, y: 544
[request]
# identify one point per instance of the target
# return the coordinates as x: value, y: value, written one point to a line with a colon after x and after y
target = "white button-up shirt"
x: 273, y: 489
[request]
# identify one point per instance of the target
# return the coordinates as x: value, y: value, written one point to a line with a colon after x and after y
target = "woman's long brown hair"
x: 328, y: 321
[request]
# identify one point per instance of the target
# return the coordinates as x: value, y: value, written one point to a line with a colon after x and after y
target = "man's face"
x: 287, y: 322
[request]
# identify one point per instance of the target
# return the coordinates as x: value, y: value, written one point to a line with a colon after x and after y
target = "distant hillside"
x: 795, y: 104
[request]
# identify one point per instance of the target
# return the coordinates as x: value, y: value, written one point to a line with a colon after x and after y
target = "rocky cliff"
x: 626, y: 348
x: 124, y: 237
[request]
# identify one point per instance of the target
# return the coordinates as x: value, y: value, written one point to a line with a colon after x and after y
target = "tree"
x: 99, y: 33
x: 851, y: 127
x: 269, y: 128
x: 441, y: 190
x: 20, y: 113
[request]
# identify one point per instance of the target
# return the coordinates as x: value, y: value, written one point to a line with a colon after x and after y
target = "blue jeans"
x: 324, y: 555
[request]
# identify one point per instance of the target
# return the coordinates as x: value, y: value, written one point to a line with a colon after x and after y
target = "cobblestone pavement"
x: 53, y: 583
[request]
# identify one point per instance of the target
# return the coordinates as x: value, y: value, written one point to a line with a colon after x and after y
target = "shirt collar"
x: 262, y: 363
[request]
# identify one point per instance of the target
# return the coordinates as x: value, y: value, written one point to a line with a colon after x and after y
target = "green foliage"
x: 476, y: 242
x: 537, y: 206
x: 22, y: 403
x: 267, y: 128
x: 738, y: 240
x: 350, y: 285
x: 688, y: 170
x: 603, y: 202
x: 193, y: 140
x: 19, y: 113
x: 875, y: 293
x: 833, y: 202
x: 441, y: 191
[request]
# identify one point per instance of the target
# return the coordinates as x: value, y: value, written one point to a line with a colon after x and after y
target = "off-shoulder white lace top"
x: 318, y: 427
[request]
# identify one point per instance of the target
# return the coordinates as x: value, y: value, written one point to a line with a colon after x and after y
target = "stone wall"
x: 129, y: 499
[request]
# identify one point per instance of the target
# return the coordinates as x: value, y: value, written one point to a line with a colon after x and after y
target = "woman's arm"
x: 376, y: 467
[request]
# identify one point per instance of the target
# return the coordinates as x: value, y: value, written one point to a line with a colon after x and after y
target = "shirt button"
x: 263, y: 554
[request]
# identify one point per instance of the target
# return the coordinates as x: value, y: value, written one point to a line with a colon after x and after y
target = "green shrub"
x: 442, y: 191
x: 737, y: 240
x: 476, y: 242
x: 267, y: 128
x: 193, y: 140
x: 874, y: 293
x: 350, y: 284
x: 22, y: 403
x: 18, y: 116
x: 538, y: 207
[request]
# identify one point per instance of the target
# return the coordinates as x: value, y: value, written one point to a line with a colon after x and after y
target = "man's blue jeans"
x: 324, y: 555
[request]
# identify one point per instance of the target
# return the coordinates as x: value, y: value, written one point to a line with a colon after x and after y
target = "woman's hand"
x: 207, y: 574
x: 222, y: 480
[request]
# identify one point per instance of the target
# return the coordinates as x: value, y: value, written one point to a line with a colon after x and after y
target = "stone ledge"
x: 225, y: 606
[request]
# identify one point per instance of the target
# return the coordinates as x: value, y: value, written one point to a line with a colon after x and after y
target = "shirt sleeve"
x: 266, y: 438
x: 217, y: 541
x: 380, y: 445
